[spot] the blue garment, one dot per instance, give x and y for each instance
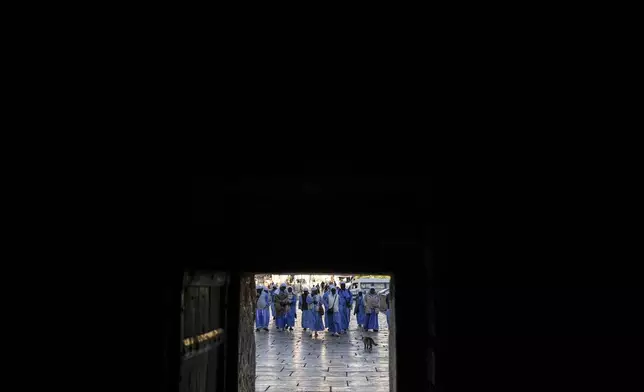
(291, 315)
(387, 318)
(334, 322)
(316, 323)
(261, 318)
(372, 321)
(325, 301)
(261, 315)
(306, 319)
(280, 317)
(280, 321)
(360, 314)
(345, 308)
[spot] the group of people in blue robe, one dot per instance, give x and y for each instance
(331, 310)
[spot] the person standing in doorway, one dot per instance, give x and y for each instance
(281, 307)
(372, 308)
(345, 307)
(304, 307)
(359, 310)
(333, 310)
(315, 305)
(261, 312)
(292, 314)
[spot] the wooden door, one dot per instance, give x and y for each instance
(202, 320)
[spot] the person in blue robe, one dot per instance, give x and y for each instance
(261, 312)
(315, 304)
(372, 308)
(345, 307)
(281, 302)
(333, 309)
(359, 310)
(325, 301)
(270, 301)
(292, 314)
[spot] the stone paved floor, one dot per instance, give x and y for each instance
(294, 361)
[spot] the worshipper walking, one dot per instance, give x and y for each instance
(292, 302)
(273, 294)
(334, 311)
(372, 308)
(270, 300)
(281, 307)
(268, 292)
(325, 301)
(345, 307)
(261, 313)
(304, 307)
(359, 310)
(315, 305)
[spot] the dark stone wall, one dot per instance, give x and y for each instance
(392, 336)
(246, 382)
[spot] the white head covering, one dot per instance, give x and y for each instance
(305, 288)
(259, 286)
(283, 285)
(334, 298)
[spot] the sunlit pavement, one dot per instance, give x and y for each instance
(294, 361)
